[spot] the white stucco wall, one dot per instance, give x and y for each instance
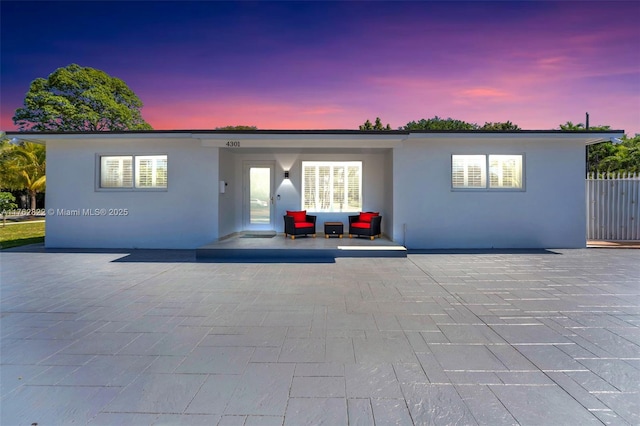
(183, 216)
(407, 178)
(549, 213)
(387, 222)
(229, 210)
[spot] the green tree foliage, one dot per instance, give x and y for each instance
(506, 126)
(5, 174)
(23, 167)
(620, 158)
(237, 128)
(377, 126)
(437, 123)
(76, 98)
(570, 127)
(607, 157)
(7, 202)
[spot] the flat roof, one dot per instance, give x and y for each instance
(313, 132)
(318, 138)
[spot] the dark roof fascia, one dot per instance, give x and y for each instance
(316, 132)
(308, 132)
(515, 132)
(200, 132)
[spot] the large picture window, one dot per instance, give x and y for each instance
(470, 171)
(334, 186)
(118, 171)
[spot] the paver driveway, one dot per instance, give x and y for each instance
(157, 338)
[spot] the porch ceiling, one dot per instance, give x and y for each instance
(305, 149)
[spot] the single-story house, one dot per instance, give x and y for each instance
(435, 190)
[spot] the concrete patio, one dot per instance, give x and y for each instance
(281, 248)
(158, 337)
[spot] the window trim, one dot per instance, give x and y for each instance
(133, 187)
(487, 187)
(333, 163)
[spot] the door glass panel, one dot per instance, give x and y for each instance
(259, 195)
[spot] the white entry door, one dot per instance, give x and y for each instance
(258, 196)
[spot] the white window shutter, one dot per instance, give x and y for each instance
(332, 186)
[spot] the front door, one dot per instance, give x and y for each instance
(258, 196)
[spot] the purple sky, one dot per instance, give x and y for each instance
(319, 65)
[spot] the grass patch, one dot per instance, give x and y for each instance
(21, 234)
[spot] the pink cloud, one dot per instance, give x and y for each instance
(485, 93)
(553, 63)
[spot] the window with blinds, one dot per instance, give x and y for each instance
(118, 171)
(505, 171)
(151, 171)
(470, 171)
(332, 186)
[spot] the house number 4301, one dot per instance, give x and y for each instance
(233, 144)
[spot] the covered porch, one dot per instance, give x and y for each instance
(263, 175)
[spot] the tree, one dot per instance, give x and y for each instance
(6, 175)
(7, 202)
(237, 128)
(437, 123)
(596, 152)
(506, 126)
(78, 98)
(377, 126)
(23, 167)
(607, 157)
(570, 127)
(621, 158)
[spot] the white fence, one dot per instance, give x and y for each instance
(613, 206)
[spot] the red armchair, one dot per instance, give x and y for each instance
(299, 223)
(366, 224)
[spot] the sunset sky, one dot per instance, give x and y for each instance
(328, 65)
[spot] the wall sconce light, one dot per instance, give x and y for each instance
(286, 174)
